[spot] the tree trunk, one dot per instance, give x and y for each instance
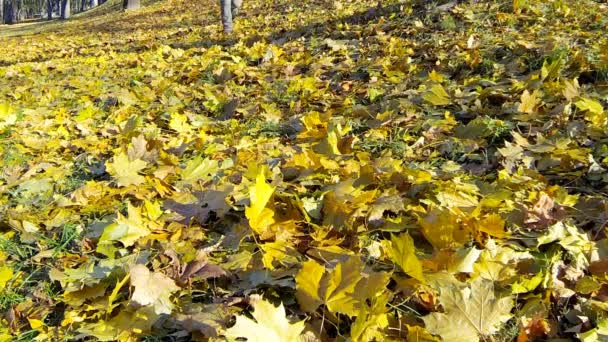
(65, 9)
(18, 11)
(83, 5)
(9, 11)
(1, 11)
(49, 9)
(130, 4)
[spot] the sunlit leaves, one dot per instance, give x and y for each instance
(259, 215)
(152, 288)
(403, 253)
(529, 102)
(8, 115)
(126, 230)
(270, 324)
(437, 96)
(589, 105)
(199, 168)
(6, 273)
(308, 280)
(470, 312)
(338, 293)
(125, 171)
(412, 167)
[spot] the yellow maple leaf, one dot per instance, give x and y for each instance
(6, 273)
(152, 288)
(437, 96)
(343, 279)
(259, 216)
(199, 169)
(528, 102)
(307, 285)
(270, 324)
(492, 225)
(126, 230)
(125, 171)
(469, 313)
(403, 253)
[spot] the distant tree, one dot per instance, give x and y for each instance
(131, 4)
(1, 11)
(49, 9)
(65, 9)
(10, 9)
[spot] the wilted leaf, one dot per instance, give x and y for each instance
(341, 284)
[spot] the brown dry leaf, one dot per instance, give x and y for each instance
(543, 213)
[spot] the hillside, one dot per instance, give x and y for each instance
(348, 170)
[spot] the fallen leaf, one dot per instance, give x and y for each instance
(470, 313)
(152, 288)
(125, 171)
(269, 324)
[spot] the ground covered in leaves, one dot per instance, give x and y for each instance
(334, 171)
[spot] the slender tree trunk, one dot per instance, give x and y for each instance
(9, 11)
(18, 10)
(65, 9)
(49, 9)
(131, 4)
(83, 5)
(1, 11)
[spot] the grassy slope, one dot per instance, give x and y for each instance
(84, 91)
